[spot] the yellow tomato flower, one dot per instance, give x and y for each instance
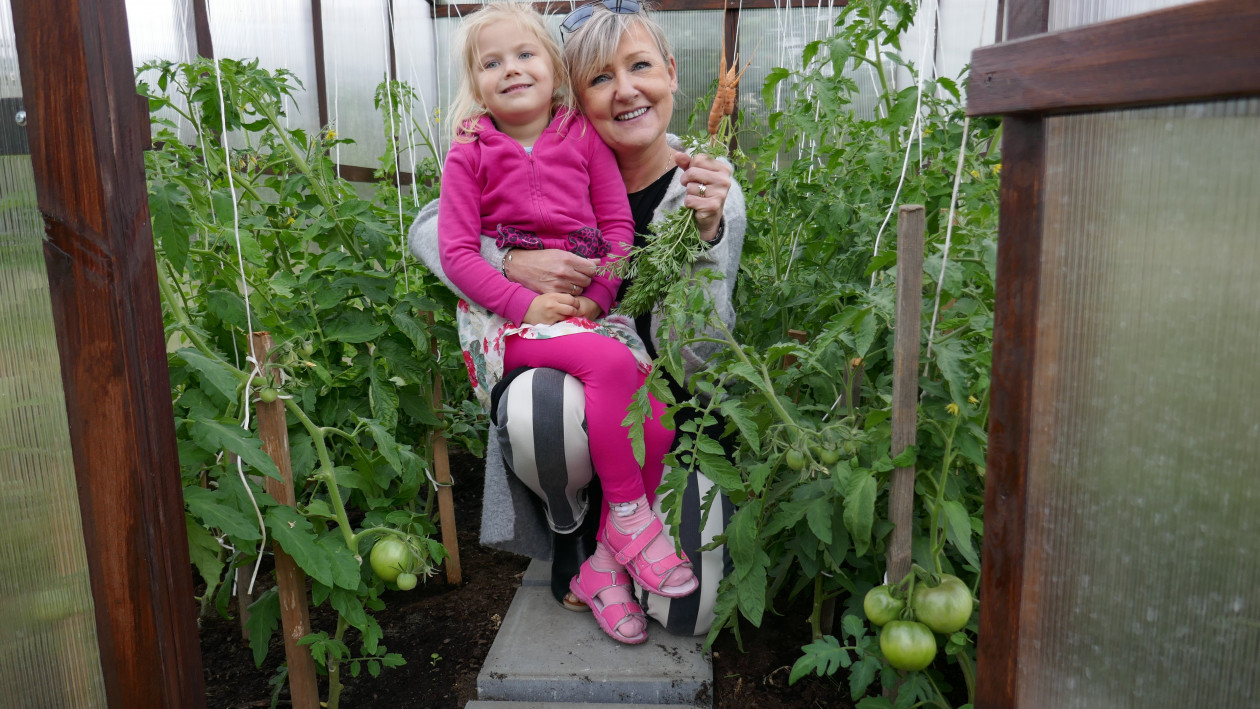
(997, 168)
(975, 174)
(973, 400)
(951, 408)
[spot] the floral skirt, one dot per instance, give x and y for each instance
(483, 335)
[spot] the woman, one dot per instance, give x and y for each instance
(624, 76)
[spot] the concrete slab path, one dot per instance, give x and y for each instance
(544, 653)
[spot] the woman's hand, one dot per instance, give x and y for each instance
(550, 271)
(707, 181)
(551, 308)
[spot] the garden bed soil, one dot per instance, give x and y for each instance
(444, 632)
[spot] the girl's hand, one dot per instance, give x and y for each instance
(550, 271)
(715, 177)
(551, 308)
(588, 308)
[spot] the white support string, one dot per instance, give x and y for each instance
(393, 132)
(915, 129)
(249, 324)
(949, 233)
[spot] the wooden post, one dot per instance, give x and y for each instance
(905, 405)
(295, 614)
(442, 474)
(87, 134)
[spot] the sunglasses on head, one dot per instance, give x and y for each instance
(578, 17)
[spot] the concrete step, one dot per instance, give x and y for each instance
(548, 655)
(479, 704)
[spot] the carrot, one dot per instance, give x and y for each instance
(727, 91)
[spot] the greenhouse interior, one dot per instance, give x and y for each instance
(927, 322)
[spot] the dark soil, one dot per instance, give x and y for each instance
(444, 633)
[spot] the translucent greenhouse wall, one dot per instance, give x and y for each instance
(1143, 489)
(356, 47)
(48, 651)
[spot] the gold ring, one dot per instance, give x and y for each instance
(703, 189)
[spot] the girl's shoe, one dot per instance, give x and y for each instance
(590, 582)
(631, 550)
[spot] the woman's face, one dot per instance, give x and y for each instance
(630, 101)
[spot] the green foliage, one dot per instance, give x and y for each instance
(262, 234)
(807, 373)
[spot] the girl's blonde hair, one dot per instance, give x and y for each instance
(593, 46)
(467, 108)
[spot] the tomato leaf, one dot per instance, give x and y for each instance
(958, 530)
(221, 378)
(859, 510)
(215, 510)
(296, 536)
(215, 436)
(203, 550)
(353, 326)
(264, 618)
(822, 657)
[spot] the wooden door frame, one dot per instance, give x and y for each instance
(1202, 51)
(87, 128)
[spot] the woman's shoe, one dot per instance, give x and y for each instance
(590, 582)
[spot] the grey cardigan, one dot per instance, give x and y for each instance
(509, 519)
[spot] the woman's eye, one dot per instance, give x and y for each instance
(600, 78)
(638, 66)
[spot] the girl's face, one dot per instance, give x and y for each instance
(514, 77)
(630, 101)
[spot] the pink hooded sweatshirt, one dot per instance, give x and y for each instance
(567, 194)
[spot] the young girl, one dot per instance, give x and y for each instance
(528, 171)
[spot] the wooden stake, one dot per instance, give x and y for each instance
(295, 613)
(442, 474)
(905, 405)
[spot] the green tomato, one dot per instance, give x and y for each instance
(307, 348)
(795, 459)
(406, 581)
(881, 607)
(829, 456)
(390, 558)
(907, 645)
(268, 395)
(945, 608)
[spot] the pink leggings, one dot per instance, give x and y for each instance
(610, 374)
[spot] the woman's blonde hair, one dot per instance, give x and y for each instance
(467, 108)
(593, 46)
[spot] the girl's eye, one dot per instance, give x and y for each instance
(491, 64)
(526, 55)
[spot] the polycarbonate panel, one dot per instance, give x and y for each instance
(278, 33)
(161, 29)
(1142, 584)
(415, 51)
(1075, 13)
(48, 651)
(356, 55)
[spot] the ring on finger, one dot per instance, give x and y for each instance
(703, 189)
(573, 288)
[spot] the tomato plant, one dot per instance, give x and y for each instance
(808, 418)
(261, 234)
(907, 645)
(881, 607)
(390, 558)
(945, 608)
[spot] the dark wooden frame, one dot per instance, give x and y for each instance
(87, 133)
(1195, 52)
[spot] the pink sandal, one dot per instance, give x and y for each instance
(590, 582)
(650, 573)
